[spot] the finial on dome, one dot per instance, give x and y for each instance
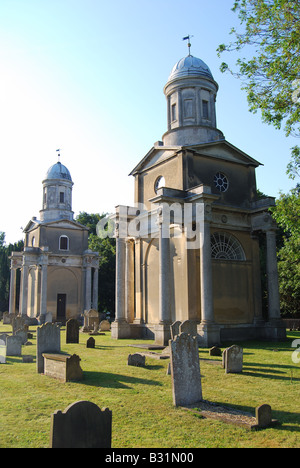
(187, 38)
(58, 151)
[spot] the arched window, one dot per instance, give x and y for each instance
(63, 243)
(224, 246)
(160, 182)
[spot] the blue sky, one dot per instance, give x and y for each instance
(87, 76)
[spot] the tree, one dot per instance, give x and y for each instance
(107, 253)
(271, 77)
(5, 252)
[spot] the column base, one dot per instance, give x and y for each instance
(208, 335)
(120, 330)
(162, 334)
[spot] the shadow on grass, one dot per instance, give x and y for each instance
(108, 380)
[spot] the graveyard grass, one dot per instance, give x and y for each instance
(143, 415)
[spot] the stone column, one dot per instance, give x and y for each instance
(208, 330)
(120, 328)
(206, 282)
(95, 288)
(129, 281)
(24, 292)
(162, 329)
(88, 287)
(272, 277)
(12, 291)
(44, 285)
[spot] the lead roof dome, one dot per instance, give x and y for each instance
(58, 171)
(190, 66)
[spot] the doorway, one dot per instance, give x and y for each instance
(61, 307)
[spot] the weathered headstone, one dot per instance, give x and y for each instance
(136, 359)
(13, 345)
(2, 350)
(188, 326)
(185, 370)
(174, 328)
(72, 331)
(233, 360)
(81, 425)
(63, 367)
(48, 341)
(91, 319)
(90, 342)
(104, 325)
(7, 317)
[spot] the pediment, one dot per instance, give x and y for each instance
(156, 155)
(226, 151)
(66, 224)
(220, 150)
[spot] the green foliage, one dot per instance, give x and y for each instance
(287, 214)
(271, 32)
(107, 254)
(5, 252)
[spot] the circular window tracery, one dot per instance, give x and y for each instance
(224, 246)
(221, 181)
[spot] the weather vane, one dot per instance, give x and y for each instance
(58, 151)
(187, 38)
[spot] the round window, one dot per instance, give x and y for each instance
(159, 183)
(221, 182)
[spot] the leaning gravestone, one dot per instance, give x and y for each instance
(13, 345)
(48, 341)
(233, 360)
(72, 331)
(185, 370)
(81, 425)
(2, 351)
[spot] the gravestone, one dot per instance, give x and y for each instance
(105, 325)
(215, 351)
(90, 342)
(48, 317)
(2, 350)
(233, 360)
(188, 326)
(174, 328)
(63, 367)
(81, 425)
(136, 359)
(185, 370)
(91, 319)
(7, 318)
(48, 341)
(263, 415)
(13, 345)
(18, 323)
(72, 331)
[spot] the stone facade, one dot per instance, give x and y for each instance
(189, 249)
(57, 268)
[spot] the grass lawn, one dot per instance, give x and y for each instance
(141, 398)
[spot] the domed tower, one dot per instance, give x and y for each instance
(191, 93)
(57, 194)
